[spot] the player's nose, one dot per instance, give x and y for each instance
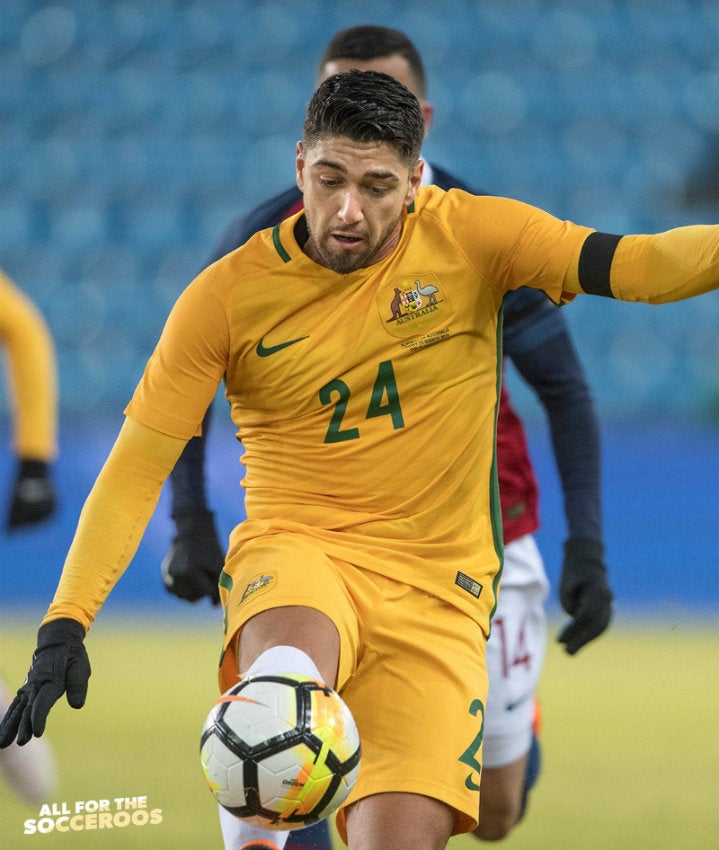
(350, 210)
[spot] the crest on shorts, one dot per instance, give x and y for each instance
(257, 585)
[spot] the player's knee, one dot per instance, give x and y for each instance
(496, 822)
(494, 830)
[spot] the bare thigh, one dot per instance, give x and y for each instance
(292, 625)
(399, 821)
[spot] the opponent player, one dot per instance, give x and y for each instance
(536, 338)
(32, 389)
(368, 428)
(33, 394)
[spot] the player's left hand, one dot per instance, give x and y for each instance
(584, 592)
(33, 495)
(192, 566)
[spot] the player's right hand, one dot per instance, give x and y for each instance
(584, 592)
(191, 568)
(33, 496)
(59, 665)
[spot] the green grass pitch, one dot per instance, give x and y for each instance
(630, 739)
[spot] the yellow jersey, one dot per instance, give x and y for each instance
(366, 402)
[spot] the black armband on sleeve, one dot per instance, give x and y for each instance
(595, 261)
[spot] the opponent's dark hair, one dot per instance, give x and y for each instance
(370, 42)
(366, 106)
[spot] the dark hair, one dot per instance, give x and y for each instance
(366, 106)
(372, 42)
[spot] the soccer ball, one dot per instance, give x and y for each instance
(280, 751)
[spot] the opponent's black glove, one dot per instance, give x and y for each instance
(192, 566)
(33, 496)
(60, 664)
(584, 592)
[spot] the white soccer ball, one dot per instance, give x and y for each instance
(281, 751)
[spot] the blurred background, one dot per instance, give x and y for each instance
(131, 133)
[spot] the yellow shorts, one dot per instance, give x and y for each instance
(411, 669)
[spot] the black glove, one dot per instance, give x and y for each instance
(60, 664)
(584, 592)
(33, 496)
(191, 568)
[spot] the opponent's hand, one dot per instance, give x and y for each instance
(60, 664)
(33, 496)
(584, 592)
(192, 566)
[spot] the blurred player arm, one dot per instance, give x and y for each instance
(192, 565)
(537, 340)
(32, 390)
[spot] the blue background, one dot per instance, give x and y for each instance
(131, 133)
(661, 504)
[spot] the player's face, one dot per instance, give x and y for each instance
(355, 194)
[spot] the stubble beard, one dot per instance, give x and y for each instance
(343, 262)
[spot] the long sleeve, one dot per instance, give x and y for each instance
(657, 269)
(537, 340)
(574, 430)
(113, 520)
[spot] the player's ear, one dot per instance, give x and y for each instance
(428, 115)
(300, 166)
(415, 181)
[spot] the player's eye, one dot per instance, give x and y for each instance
(329, 182)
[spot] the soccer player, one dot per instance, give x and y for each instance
(367, 415)
(32, 385)
(537, 340)
(32, 389)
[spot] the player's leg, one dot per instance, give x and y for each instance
(239, 835)
(400, 821)
(300, 631)
(267, 638)
(316, 837)
(29, 770)
(281, 627)
(390, 680)
(534, 763)
(418, 697)
(501, 799)
(308, 609)
(515, 653)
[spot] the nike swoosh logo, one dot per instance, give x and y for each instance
(265, 351)
(510, 706)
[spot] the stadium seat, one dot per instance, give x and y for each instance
(136, 131)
